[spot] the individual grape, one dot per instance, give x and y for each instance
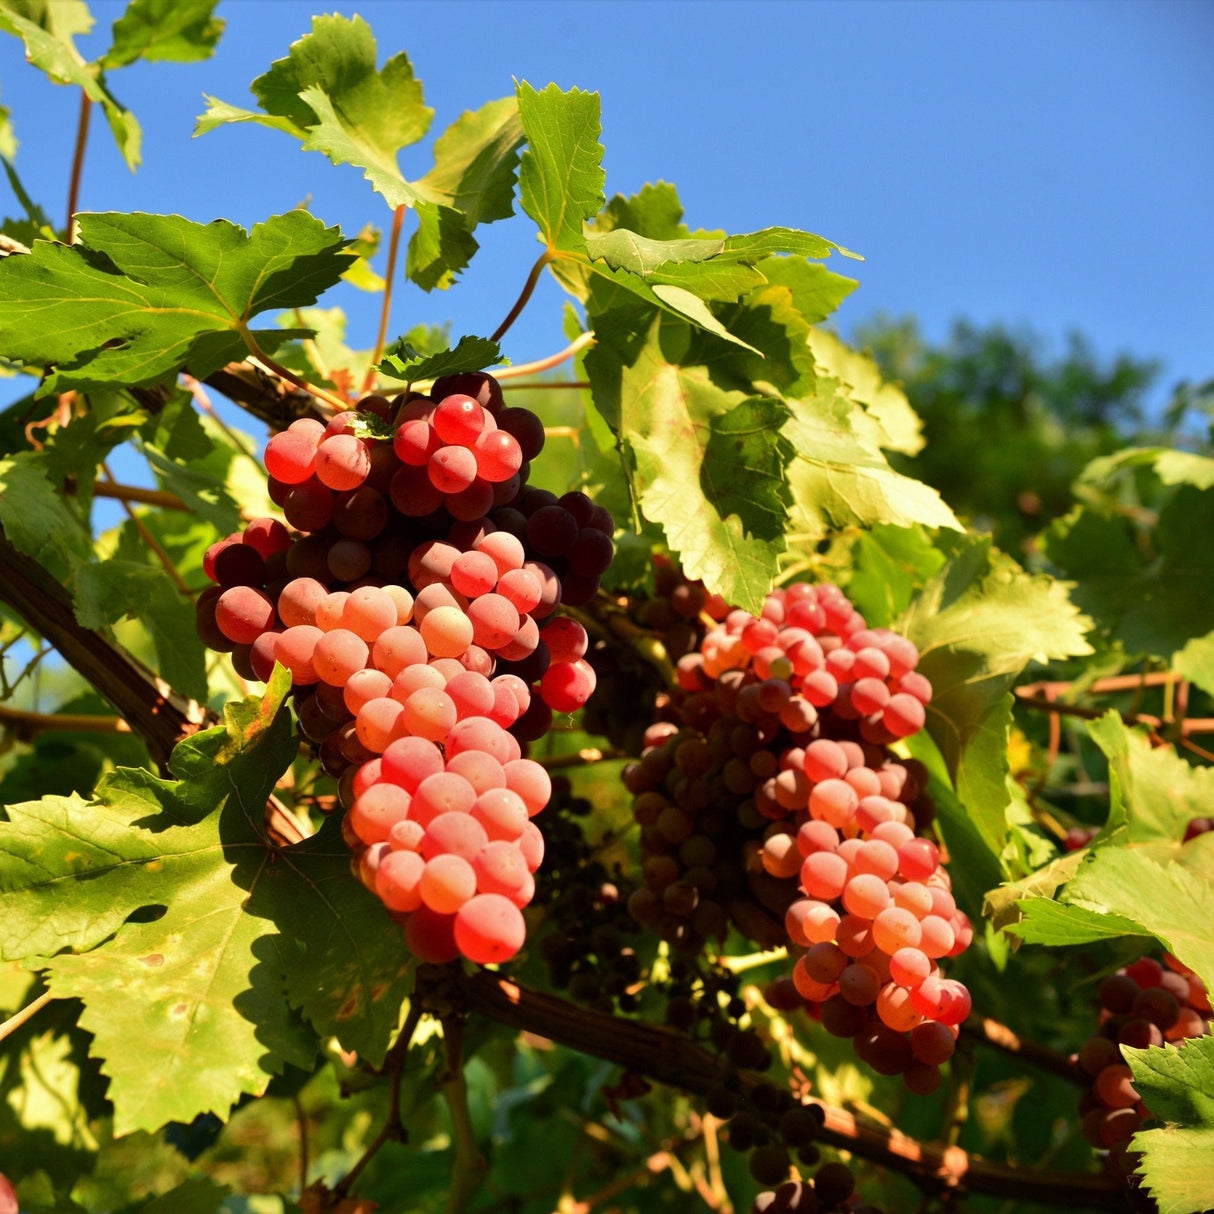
(430, 936)
(309, 506)
(859, 984)
(495, 620)
(338, 655)
(429, 713)
(489, 929)
(380, 722)
(294, 649)
(398, 880)
(398, 648)
(482, 771)
(360, 514)
(566, 686)
(502, 813)
(909, 966)
(408, 761)
(349, 560)
(447, 631)
(505, 549)
(451, 469)
(866, 895)
(342, 462)
(364, 685)
(374, 813)
(415, 441)
(447, 883)
(239, 565)
(474, 573)
(471, 693)
(1115, 1087)
(243, 613)
(457, 834)
(498, 455)
(459, 419)
(412, 492)
(895, 929)
(298, 600)
(291, 457)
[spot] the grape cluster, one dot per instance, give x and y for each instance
(586, 927)
(1143, 1004)
(831, 1190)
(770, 777)
(414, 607)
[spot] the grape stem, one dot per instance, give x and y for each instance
(153, 544)
(82, 138)
(393, 245)
(670, 1057)
(1190, 725)
(524, 295)
(393, 1129)
(321, 394)
(467, 1163)
(575, 347)
(15, 1021)
(30, 724)
(131, 493)
(990, 1032)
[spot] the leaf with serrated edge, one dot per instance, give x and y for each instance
(190, 1010)
(171, 292)
(180, 31)
(470, 354)
(816, 291)
(1176, 1083)
(475, 161)
(861, 381)
(1153, 792)
(1125, 891)
(53, 51)
(978, 623)
(561, 175)
(708, 468)
(840, 477)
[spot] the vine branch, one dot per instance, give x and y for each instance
(671, 1058)
(15, 1021)
(524, 295)
(393, 247)
(82, 137)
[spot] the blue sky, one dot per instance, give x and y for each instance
(1045, 164)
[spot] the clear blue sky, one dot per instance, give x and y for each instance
(1040, 163)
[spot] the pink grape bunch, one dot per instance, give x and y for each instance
(413, 599)
(1143, 1004)
(768, 797)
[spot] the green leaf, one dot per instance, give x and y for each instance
(191, 1009)
(141, 296)
(1160, 605)
(1153, 793)
(200, 1195)
(861, 381)
(1176, 1083)
(203, 491)
(816, 291)
(888, 565)
(840, 477)
(180, 31)
(36, 519)
(709, 468)
(977, 625)
(1126, 891)
(1171, 466)
(472, 182)
(561, 176)
(328, 93)
(110, 590)
(402, 361)
(47, 29)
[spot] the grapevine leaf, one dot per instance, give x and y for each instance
(140, 296)
(861, 381)
(204, 492)
(1127, 891)
(47, 30)
(472, 182)
(402, 361)
(193, 1008)
(1176, 1082)
(978, 624)
(840, 477)
(816, 291)
(625, 250)
(181, 31)
(1153, 792)
(1171, 466)
(107, 591)
(328, 94)
(561, 175)
(36, 519)
(709, 468)
(889, 564)
(1162, 607)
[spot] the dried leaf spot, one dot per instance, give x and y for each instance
(348, 1009)
(179, 1009)
(153, 959)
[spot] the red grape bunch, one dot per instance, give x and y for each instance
(1143, 1004)
(769, 797)
(414, 606)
